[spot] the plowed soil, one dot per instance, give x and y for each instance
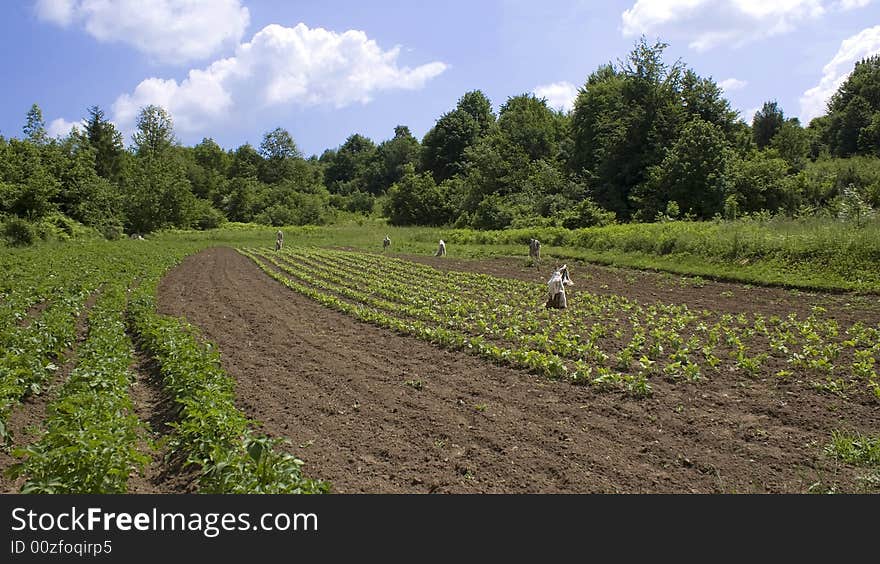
(375, 412)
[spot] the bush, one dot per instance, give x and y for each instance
(492, 214)
(416, 200)
(63, 223)
(18, 232)
(207, 216)
(360, 202)
(587, 214)
(111, 229)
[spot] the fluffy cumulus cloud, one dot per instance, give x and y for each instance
(61, 127)
(559, 95)
(731, 84)
(170, 31)
(864, 44)
(710, 23)
(280, 66)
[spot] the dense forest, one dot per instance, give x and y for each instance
(646, 141)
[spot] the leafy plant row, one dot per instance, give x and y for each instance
(602, 338)
(211, 432)
(32, 354)
(90, 444)
(666, 338)
(91, 435)
(548, 365)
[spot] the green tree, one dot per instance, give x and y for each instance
(766, 123)
(623, 120)
(626, 117)
(206, 170)
(492, 166)
(853, 111)
(393, 155)
(353, 166)
(279, 151)
(694, 174)
(35, 128)
(156, 188)
(243, 199)
(84, 195)
(155, 132)
(760, 183)
(28, 189)
(527, 122)
(586, 214)
(416, 200)
(444, 145)
(158, 195)
(792, 143)
(106, 142)
(245, 163)
(493, 212)
(703, 98)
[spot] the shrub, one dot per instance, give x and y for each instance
(207, 216)
(18, 232)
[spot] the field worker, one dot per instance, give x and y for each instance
(441, 250)
(535, 249)
(556, 288)
(386, 243)
(279, 240)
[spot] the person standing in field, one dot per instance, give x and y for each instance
(386, 243)
(279, 240)
(535, 249)
(556, 288)
(441, 250)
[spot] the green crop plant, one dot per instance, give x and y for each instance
(854, 448)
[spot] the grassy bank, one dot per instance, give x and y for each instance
(821, 254)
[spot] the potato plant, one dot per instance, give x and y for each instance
(596, 332)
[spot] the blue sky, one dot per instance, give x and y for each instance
(234, 69)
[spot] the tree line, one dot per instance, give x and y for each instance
(645, 141)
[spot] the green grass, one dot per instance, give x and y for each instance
(810, 254)
(814, 254)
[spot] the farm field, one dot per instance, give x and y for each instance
(212, 363)
(428, 408)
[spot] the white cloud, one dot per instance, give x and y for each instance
(853, 4)
(56, 11)
(60, 127)
(559, 95)
(171, 31)
(864, 44)
(280, 66)
(730, 84)
(709, 23)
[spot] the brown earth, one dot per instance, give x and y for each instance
(163, 474)
(376, 412)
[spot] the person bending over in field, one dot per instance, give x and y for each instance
(386, 243)
(556, 288)
(535, 250)
(441, 250)
(279, 240)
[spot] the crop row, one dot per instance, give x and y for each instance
(90, 444)
(210, 431)
(31, 346)
(541, 363)
(599, 339)
(92, 440)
